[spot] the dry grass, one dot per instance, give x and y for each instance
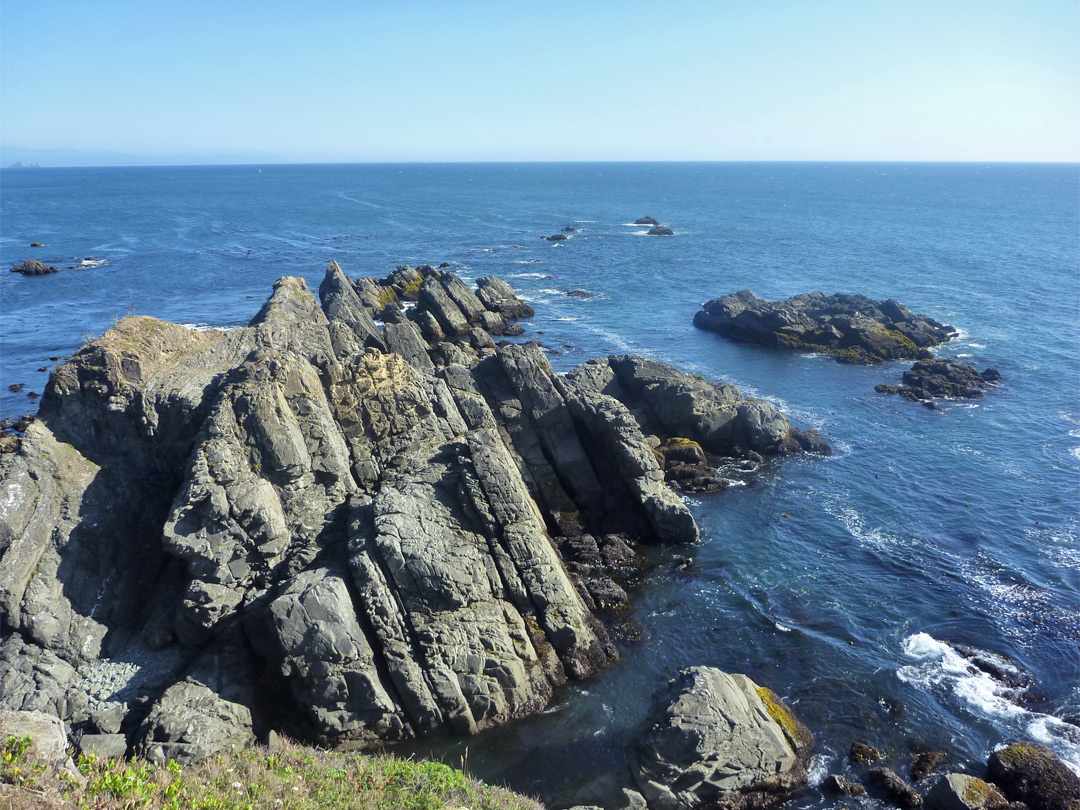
(291, 777)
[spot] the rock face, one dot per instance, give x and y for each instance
(719, 740)
(945, 379)
(960, 791)
(1031, 773)
(339, 522)
(33, 267)
(851, 327)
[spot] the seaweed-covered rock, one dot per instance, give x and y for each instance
(719, 740)
(893, 786)
(853, 328)
(1033, 774)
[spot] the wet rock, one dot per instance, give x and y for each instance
(16, 388)
(922, 765)
(33, 267)
(959, 791)
(892, 785)
(852, 328)
(842, 786)
(944, 379)
(556, 237)
(36, 244)
(864, 754)
(580, 294)
(646, 221)
(720, 740)
(660, 230)
(1031, 773)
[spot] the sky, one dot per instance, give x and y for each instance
(419, 80)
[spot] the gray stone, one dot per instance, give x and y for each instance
(1033, 774)
(191, 722)
(109, 746)
(894, 787)
(341, 303)
(960, 791)
(713, 740)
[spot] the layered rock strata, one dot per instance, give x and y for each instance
(341, 521)
(852, 328)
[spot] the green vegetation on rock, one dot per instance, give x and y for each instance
(288, 776)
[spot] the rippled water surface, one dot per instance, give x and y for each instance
(840, 582)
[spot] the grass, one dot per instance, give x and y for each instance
(290, 777)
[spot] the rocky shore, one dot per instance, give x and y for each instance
(342, 522)
(852, 328)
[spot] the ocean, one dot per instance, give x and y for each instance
(844, 583)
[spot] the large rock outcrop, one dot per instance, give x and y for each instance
(853, 328)
(341, 522)
(719, 740)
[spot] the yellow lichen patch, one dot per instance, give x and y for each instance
(1019, 753)
(387, 296)
(781, 714)
(978, 793)
(411, 290)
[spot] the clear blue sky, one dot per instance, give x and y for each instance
(421, 80)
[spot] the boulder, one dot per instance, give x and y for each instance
(864, 754)
(1033, 774)
(660, 230)
(852, 328)
(48, 738)
(719, 740)
(646, 221)
(893, 786)
(108, 746)
(36, 244)
(960, 791)
(190, 722)
(842, 786)
(499, 297)
(556, 237)
(33, 267)
(922, 765)
(949, 379)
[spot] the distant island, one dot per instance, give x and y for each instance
(22, 164)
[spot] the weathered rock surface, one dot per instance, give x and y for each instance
(841, 785)
(48, 737)
(1031, 773)
(34, 267)
(893, 786)
(960, 791)
(945, 379)
(719, 740)
(335, 522)
(853, 328)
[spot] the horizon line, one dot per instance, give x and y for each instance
(33, 165)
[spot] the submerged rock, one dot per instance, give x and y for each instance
(960, 791)
(852, 328)
(719, 740)
(892, 785)
(343, 531)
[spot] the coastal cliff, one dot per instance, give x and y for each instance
(341, 521)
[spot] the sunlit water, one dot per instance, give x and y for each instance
(835, 581)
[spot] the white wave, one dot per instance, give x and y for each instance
(489, 250)
(977, 346)
(858, 528)
(783, 628)
(528, 261)
(88, 262)
(527, 275)
(205, 327)
(549, 291)
(819, 769)
(584, 220)
(961, 333)
(568, 318)
(1075, 453)
(941, 670)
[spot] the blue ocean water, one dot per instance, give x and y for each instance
(835, 581)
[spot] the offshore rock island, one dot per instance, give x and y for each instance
(342, 522)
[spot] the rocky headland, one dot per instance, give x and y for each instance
(852, 328)
(356, 520)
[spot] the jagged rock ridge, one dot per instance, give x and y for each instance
(340, 521)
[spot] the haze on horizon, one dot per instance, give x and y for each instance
(420, 80)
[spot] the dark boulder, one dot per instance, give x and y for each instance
(36, 244)
(1033, 774)
(842, 786)
(580, 294)
(960, 791)
(922, 765)
(556, 237)
(892, 785)
(33, 267)
(852, 328)
(569, 229)
(864, 754)
(646, 221)
(660, 230)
